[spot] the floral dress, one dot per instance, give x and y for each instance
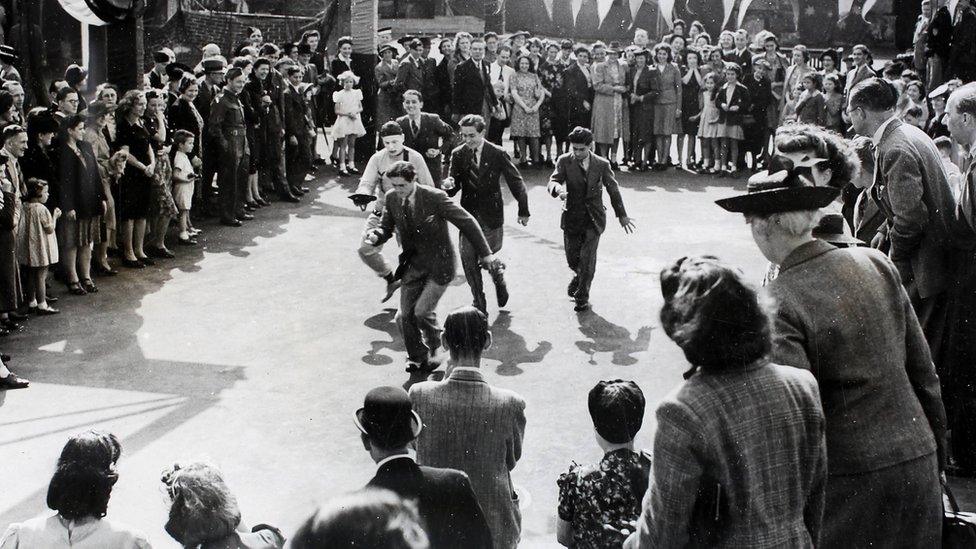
(609, 492)
(162, 204)
(525, 124)
(551, 76)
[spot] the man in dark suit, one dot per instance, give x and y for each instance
(444, 497)
(578, 180)
(756, 124)
(962, 49)
(299, 131)
(938, 45)
(424, 132)
(476, 168)
(410, 72)
(578, 89)
(420, 215)
(209, 87)
(911, 189)
(742, 56)
(472, 91)
(431, 89)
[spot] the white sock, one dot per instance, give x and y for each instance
(4, 372)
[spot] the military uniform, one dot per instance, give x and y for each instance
(228, 127)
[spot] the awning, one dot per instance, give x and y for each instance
(99, 12)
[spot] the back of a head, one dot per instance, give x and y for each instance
(617, 410)
(202, 508)
(85, 474)
(713, 315)
(370, 518)
(466, 331)
(875, 95)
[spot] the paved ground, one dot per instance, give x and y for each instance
(254, 350)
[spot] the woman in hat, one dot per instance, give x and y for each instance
(667, 104)
(609, 87)
(739, 451)
(40, 159)
(8, 56)
(936, 125)
(844, 315)
(386, 72)
(135, 185)
(610, 491)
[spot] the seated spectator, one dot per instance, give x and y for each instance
(741, 437)
(79, 491)
(445, 500)
(473, 426)
(204, 513)
(608, 492)
(374, 518)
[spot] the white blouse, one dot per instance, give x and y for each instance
(56, 532)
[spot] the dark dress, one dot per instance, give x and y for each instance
(41, 163)
(135, 187)
(81, 191)
(609, 492)
(690, 105)
(551, 75)
(183, 115)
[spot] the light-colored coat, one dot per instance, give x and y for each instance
(472, 426)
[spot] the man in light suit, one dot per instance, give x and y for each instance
(444, 497)
(473, 426)
(843, 314)
(476, 168)
(578, 180)
(419, 215)
(912, 190)
(862, 70)
(425, 132)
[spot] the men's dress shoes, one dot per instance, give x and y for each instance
(15, 316)
(391, 288)
(582, 306)
(245, 217)
(13, 382)
(501, 289)
(573, 286)
(289, 198)
(229, 223)
(5, 357)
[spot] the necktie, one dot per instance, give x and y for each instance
(473, 168)
(414, 128)
(408, 213)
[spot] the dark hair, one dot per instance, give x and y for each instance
(678, 22)
(10, 131)
(734, 67)
(816, 78)
(663, 47)
(489, 34)
(180, 137)
(374, 518)
(292, 70)
(233, 72)
(34, 188)
(713, 315)
(914, 111)
(202, 507)
(64, 92)
(260, 61)
(466, 331)
(581, 49)
(6, 101)
(834, 149)
(831, 54)
(519, 62)
(269, 49)
(402, 169)
(185, 83)
(390, 128)
(617, 410)
(85, 474)
(943, 143)
(696, 53)
(343, 40)
(415, 93)
(252, 30)
(580, 136)
(874, 94)
(72, 121)
(473, 120)
(504, 47)
(838, 87)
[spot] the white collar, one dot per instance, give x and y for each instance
(881, 129)
(411, 455)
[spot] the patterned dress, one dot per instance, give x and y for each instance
(551, 76)
(609, 492)
(527, 86)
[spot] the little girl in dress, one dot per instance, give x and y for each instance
(348, 125)
(708, 127)
(38, 246)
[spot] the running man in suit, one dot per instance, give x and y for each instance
(476, 168)
(444, 497)
(419, 215)
(578, 180)
(424, 132)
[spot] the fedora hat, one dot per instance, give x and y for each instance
(387, 417)
(214, 64)
(8, 54)
(777, 190)
(833, 229)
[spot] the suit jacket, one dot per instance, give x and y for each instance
(585, 200)
(181, 116)
(911, 188)
(576, 90)
(339, 66)
(843, 315)
(757, 432)
(447, 505)
(483, 198)
(760, 97)
(962, 50)
(472, 87)
(410, 75)
(740, 98)
(205, 99)
(744, 60)
(424, 238)
(296, 120)
(472, 426)
(856, 76)
(939, 34)
(432, 131)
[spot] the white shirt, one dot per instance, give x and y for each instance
(55, 532)
(411, 455)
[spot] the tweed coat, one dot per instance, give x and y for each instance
(912, 190)
(758, 432)
(477, 428)
(843, 315)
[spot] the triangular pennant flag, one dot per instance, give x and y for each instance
(743, 6)
(548, 6)
(635, 7)
(576, 5)
(602, 9)
(666, 8)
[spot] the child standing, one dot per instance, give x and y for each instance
(732, 102)
(811, 107)
(183, 184)
(348, 125)
(708, 126)
(834, 95)
(38, 247)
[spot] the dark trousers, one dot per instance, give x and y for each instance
(581, 246)
(417, 317)
(496, 128)
(210, 153)
(232, 178)
(297, 163)
(753, 142)
(472, 269)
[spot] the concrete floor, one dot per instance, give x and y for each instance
(254, 350)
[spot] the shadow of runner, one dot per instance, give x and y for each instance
(604, 336)
(511, 348)
(383, 322)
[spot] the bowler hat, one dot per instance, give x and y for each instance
(778, 190)
(387, 47)
(387, 417)
(42, 120)
(175, 71)
(833, 229)
(8, 54)
(216, 64)
(304, 49)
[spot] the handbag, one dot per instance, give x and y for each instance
(958, 527)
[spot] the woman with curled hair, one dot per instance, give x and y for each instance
(739, 452)
(204, 514)
(79, 491)
(374, 518)
(135, 185)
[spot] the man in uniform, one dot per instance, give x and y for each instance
(373, 185)
(228, 128)
(210, 83)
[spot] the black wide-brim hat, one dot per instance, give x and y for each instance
(833, 229)
(387, 417)
(778, 190)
